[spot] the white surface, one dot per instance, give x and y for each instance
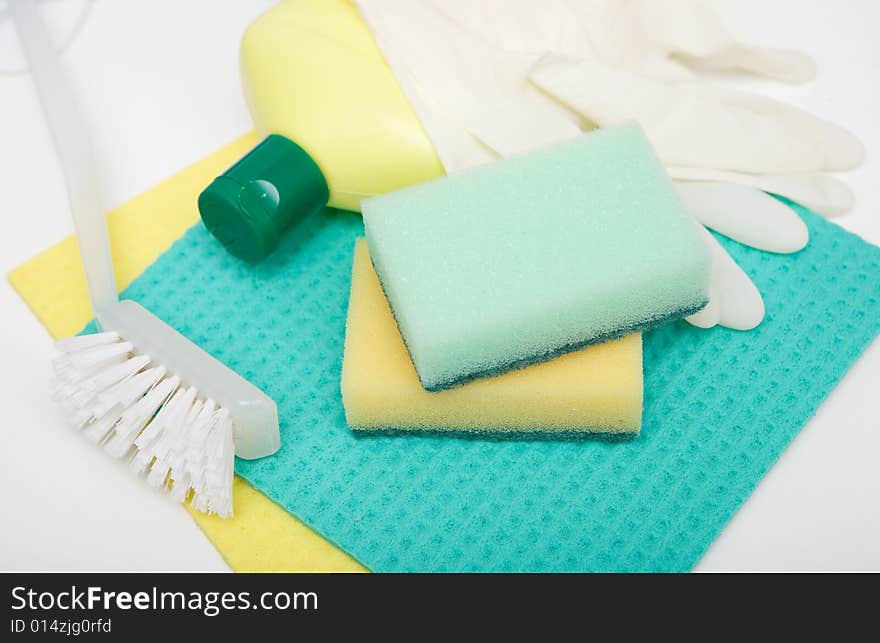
(159, 84)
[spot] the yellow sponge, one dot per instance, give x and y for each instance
(596, 390)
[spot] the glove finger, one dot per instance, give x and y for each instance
(745, 214)
(822, 193)
(692, 31)
(736, 301)
(785, 65)
(838, 148)
(711, 314)
(693, 126)
(742, 307)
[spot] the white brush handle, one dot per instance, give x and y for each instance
(74, 152)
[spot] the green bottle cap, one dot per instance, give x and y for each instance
(250, 205)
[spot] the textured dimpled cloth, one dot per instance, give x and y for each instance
(720, 407)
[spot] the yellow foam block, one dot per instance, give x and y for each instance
(261, 536)
(596, 390)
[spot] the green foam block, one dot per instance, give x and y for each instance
(520, 260)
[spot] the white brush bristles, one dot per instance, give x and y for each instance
(138, 411)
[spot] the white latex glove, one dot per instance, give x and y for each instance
(490, 78)
(665, 39)
(474, 100)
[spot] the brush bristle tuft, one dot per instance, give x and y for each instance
(138, 411)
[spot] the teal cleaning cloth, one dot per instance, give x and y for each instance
(720, 407)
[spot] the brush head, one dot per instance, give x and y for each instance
(133, 391)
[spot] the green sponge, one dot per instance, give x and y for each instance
(520, 260)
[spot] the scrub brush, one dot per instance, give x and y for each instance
(139, 388)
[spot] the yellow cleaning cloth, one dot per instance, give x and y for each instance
(261, 536)
(596, 390)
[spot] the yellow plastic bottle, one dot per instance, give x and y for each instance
(319, 89)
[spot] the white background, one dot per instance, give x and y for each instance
(159, 84)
